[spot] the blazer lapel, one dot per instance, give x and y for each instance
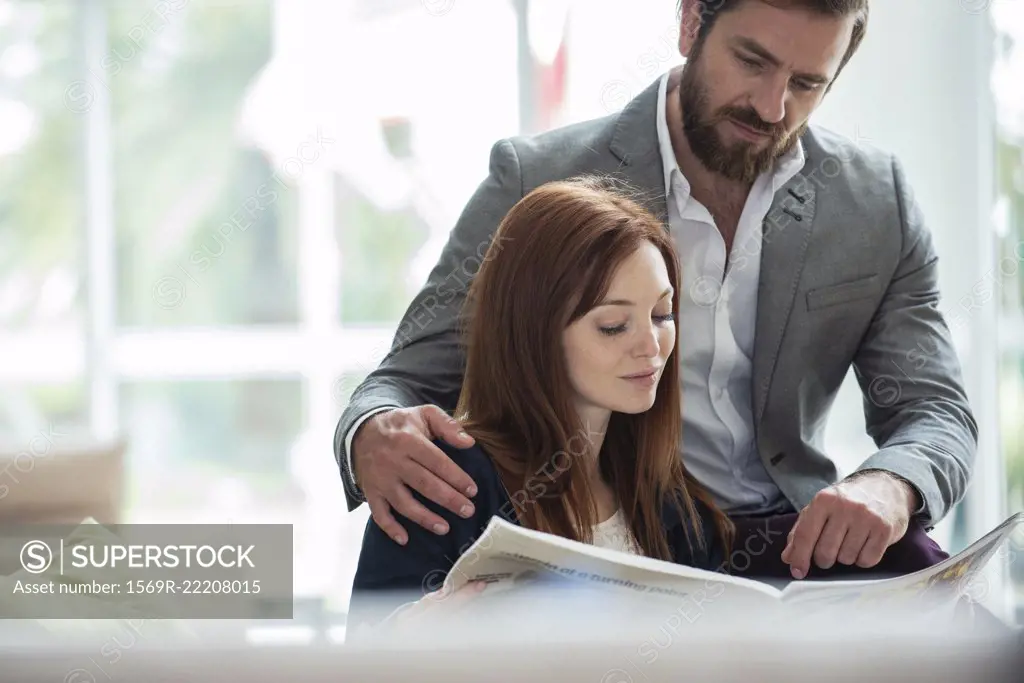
(787, 232)
(634, 144)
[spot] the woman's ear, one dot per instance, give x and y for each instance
(689, 24)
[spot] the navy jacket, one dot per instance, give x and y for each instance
(390, 574)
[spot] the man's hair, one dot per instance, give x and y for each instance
(710, 10)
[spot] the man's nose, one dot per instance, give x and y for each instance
(769, 100)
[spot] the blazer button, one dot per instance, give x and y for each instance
(777, 458)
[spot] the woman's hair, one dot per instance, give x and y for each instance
(551, 261)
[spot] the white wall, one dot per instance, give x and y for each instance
(615, 51)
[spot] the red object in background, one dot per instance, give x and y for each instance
(550, 89)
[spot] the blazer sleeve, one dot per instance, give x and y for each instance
(915, 405)
(389, 575)
(685, 547)
(425, 363)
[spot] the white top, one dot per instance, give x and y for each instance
(717, 313)
(614, 534)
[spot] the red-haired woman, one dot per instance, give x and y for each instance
(571, 393)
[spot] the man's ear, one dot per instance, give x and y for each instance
(689, 25)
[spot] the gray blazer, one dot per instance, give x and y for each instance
(848, 276)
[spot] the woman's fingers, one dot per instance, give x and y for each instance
(442, 602)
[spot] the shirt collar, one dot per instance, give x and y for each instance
(785, 168)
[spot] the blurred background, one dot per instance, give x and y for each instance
(213, 213)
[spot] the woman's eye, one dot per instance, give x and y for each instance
(618, 329)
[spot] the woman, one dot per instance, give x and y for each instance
(571, 393)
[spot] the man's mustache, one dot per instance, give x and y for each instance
(749, 118)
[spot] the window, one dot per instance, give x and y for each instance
(1008, 288)
(205, 232)
(213, 450)
(207, 238)
(40, 241)
(213, 214)
(39, 207)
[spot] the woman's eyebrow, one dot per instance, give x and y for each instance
(627, 302)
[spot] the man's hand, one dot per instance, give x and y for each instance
(853, 522)
(391, 452)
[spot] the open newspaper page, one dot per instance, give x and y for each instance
(507, 556)
(936, 588)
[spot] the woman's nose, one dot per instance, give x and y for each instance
(647, 345)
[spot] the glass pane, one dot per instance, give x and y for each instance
(40, 193)
(377, 247)
(1008, 20)
(57, 412)
(422, 147)
(1011, 404)
(212, 451)
(205, 221)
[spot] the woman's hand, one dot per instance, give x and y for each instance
(441, 603)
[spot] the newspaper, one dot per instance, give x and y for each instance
(507, 556)
(87, 612)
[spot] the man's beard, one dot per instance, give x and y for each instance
(741, 161)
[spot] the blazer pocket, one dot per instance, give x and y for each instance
(842, 293)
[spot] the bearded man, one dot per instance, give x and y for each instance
(803, 254)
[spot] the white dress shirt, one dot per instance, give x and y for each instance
(716, 333)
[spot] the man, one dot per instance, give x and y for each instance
(802, 255)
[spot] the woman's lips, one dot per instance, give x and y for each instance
(644, 379)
